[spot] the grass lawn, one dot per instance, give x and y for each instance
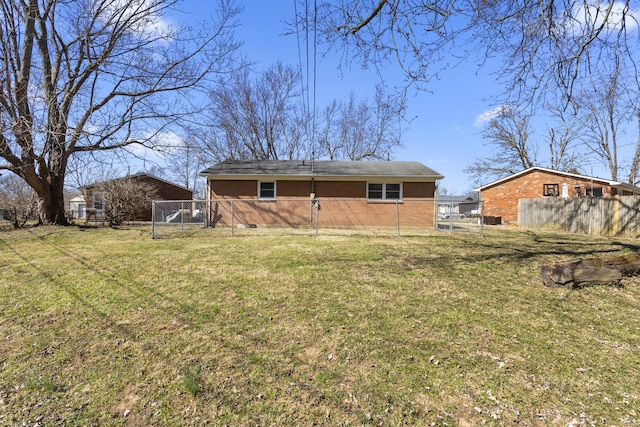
(109, 327)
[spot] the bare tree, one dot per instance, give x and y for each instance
(511, 149)
(545, 45)
(17, 200)
(360, 129)
(635, 163)
(608, 106)
(124, 199)
(548, 49)
(186, 161)
(565, 153)
(256, 119)
(95, 75)
(262, 119)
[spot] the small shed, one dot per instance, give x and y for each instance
(78, 207)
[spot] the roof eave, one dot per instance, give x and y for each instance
(516, 175)
(413, 178)
(625, 187)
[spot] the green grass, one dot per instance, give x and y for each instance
(109, 327)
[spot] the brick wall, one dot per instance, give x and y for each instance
(416, 208)
(164, 191)
(167, 191)
(502, 199)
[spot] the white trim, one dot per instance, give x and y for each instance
(614, 184)
(275, 193)
(384, 190)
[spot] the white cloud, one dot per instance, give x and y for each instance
(589, 16)
(145, 22)
(167, 142)
(489, 115)
(157, 146)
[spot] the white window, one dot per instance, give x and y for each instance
(384, 191)
(267, 190)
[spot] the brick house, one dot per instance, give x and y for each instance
(165, 190)
(501, 197)
(283, 192)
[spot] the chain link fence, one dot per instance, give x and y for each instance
(294, 216)
(465, 216)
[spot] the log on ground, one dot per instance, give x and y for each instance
(580, 273)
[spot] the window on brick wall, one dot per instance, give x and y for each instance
(552, 190)
(594, 191)
(267, 190)
(384, 191)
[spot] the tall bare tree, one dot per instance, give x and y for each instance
(542, 45)
(544, 50)
(186, 160)
(635, 163)
(608, 106)
(508, 138)
(257, 118)
(95, 75)
(261, 118)
(353, 129)
(565, 152)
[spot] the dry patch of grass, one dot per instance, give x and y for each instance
(108, 327)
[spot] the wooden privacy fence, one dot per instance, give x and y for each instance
(611, 216)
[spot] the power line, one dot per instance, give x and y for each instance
(308, 72)
(315, 68)
(304, 101)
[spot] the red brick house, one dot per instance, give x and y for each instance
(282, 192)
(501, 197)
(165, 190)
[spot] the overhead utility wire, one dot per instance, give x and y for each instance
(304, 98)
(315, 69)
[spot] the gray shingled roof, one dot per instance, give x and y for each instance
(320, 168)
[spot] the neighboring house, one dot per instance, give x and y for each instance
(462, 205)
(362, 193)
(501, 197)
(165, 190)
(77, 207)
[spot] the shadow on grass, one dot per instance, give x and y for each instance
(511, 248)
(137, 288)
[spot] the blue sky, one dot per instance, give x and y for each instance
(444, 134)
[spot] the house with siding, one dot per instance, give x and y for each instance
(284, 192)
(501, 197)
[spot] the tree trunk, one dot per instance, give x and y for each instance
(51, 209)
(580, 273)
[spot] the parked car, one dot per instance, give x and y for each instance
(450, 215)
